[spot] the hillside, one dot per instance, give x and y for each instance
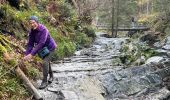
(64, 25)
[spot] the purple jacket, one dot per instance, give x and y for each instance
(38, 39)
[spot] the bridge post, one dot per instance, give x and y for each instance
(113, 18)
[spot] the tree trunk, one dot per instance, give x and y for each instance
(113, 8)
(117, 17)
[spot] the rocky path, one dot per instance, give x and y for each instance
(91, 74)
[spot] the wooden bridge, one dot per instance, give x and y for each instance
(123, 28)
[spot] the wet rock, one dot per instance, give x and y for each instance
(152, 94)
(163, 72)
(162, 52)
(155, 59)
(167, 40)
(133, 81)
(154, 79)
(47, 95)
(166, 47)
(89, 89)
(166, 63)
(166, 82)
(86, 52)
(167, 44)
(69, 95)
(157, 45)
(139, 70)
(161, 94)
(136, 71)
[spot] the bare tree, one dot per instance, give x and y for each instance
(86, 7)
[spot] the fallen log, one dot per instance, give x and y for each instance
(29, 85)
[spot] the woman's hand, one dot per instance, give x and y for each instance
(28, 57)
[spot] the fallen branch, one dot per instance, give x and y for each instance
(29, 85)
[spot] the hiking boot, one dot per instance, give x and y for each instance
(43, 85)
(50, 80)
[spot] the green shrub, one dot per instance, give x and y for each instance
(64, 48)
(10, 86)
(61, 11)
(133, 51)
(89, 31)
(14, 21)
(82, 40)
(33, 72)
(65, 12)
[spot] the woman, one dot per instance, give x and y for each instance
(39, 38)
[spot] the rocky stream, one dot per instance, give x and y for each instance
(91, 74)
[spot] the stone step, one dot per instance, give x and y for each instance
(79, 74)
(89, 59)
(86, 66)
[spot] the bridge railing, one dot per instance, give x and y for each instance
(109, 26)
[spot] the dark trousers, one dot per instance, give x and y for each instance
(47, 67)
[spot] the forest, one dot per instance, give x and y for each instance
(73, 25)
